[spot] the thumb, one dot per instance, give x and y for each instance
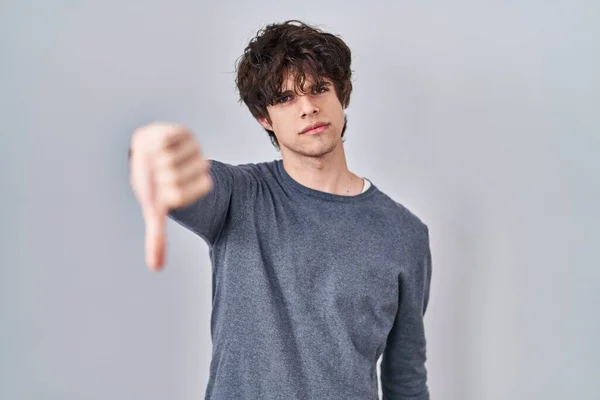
(154, 215)
(155, 220)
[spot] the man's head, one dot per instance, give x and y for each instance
(292, 76)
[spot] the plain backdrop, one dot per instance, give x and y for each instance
(482, 118)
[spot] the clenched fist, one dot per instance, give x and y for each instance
(167, 172)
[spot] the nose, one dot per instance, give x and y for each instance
(307, 106)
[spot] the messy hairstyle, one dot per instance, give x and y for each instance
(296, 48)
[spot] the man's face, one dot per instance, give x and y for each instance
(293, 113)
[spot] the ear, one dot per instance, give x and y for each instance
(265, 124)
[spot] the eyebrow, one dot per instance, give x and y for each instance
(313, 86)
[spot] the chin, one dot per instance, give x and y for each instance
(317, 150)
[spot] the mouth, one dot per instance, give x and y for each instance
(314, 128)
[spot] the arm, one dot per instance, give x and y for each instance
(207, 216)
(403, 372)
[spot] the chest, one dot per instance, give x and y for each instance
(341, 256)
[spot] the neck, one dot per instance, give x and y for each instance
(328, 173)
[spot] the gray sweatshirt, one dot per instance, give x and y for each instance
(310, 289)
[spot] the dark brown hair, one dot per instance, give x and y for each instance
(291, 47)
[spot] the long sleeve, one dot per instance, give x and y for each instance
(232, 186)
(403, 371)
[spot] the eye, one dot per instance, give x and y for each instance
(284, 99)
(322, 89)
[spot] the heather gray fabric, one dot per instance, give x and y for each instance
(309, 288)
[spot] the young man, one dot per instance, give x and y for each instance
(316, 272)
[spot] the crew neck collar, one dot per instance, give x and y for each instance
(292, 184)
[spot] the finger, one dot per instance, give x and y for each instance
(140, 174)
(154, 216)
(198, 188)
(178, 155)
(190, 186)
(178, 177)
(155, 243)
(170, 138)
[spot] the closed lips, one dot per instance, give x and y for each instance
(314, 126)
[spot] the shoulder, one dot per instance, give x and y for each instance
(247, 177)
(404, 220)
(256, 169)
(247, 171)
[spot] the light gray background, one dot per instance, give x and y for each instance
(481, 117)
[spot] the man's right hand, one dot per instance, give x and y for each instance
(167, 171)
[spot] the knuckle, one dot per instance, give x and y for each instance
(163, 142)
(196, 149)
